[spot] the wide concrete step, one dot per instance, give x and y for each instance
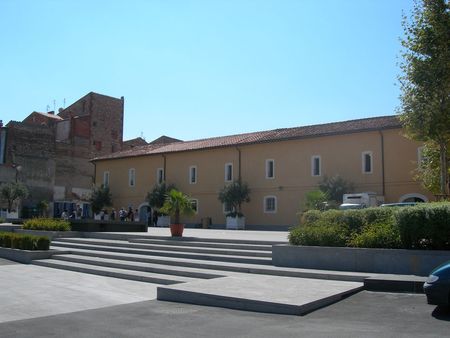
(140, 276)
(281, 295)
(172, 247)
(225, 267)
(197, 256)
(142, 266)
(133, 236)
(197, 243)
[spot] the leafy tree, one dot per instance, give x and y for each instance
(42, 208)
(157, 196)
(100, 198)
(315, 200)
(233, 195)
(425, 78)
(335, 187)
(12, 192)
(429, 168)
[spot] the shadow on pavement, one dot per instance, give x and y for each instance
(441, 313)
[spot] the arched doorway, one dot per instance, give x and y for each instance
(144, 213)
(414, 197)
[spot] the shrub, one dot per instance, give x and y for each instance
(47, 224)
(331, 235)
(23, 241)
(377, 235)
(425, 226)
(2, 220)
(310, 217)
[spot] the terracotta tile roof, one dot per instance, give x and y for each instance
(328, 129)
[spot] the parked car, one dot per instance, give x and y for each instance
(403, 204)
(437, 286)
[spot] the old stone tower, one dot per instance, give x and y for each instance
(50, 152)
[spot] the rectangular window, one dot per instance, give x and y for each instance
(193, 174)
(194, 204)
(132, 177)
(367, 159)
(227, 208)
(421, 158)
(270, 169)
(316, 166)
(228, 172)
(159, 175)
(106, 178)
(270, 204)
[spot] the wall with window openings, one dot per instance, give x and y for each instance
(278, 173)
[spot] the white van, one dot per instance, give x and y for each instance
(360, 200)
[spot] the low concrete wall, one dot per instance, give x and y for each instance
(9, 227)
(389, 261)
(25, 256)
(107, 226)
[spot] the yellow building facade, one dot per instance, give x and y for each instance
(280, 167)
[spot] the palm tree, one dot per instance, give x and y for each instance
(177, 204)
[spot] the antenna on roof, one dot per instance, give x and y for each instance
(54, 105)
(48, 108)
(64, 104)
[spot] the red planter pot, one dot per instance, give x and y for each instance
(176, 230)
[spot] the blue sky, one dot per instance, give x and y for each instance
(196, 69)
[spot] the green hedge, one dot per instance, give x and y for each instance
(425, 226)
(2, 220)
(23, 241)
(47, 224)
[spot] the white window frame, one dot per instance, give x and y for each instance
(193, 178)
(313, 161)
(195, 201)
(159, 175)
(268, 161)
(363, 158)
(228, 170)
(267, 211)
(420, 157)
(106, 178)
(131, 177)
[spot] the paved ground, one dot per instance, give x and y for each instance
(29, 291)
(44, 302)
(277, 236)
(365, 314)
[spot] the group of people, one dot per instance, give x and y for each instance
(123, 215)
(76, 213)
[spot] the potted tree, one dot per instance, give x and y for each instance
(176, 205)
(233, 196)
(156, 199)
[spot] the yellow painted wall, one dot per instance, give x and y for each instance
(341, 154)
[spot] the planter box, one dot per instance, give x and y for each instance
(387, 261)
(163, 221)
(234, 223)
(85, 225)
(25, 256)
(49, 234)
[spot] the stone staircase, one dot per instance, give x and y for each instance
(167, 260)
(158, 260)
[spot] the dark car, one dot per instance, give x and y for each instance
(437, 286)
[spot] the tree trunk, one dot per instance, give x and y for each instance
(444, 171)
